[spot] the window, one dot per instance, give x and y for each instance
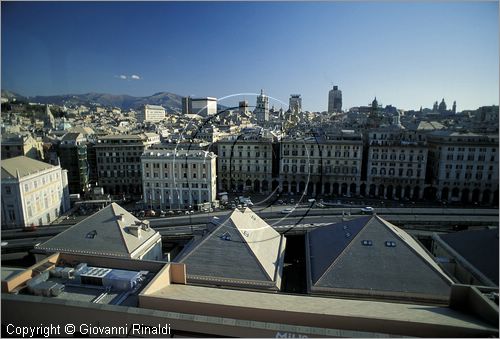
(225, 236)
(91, 234)
(390, 243)
(366, 243)
(7, 190)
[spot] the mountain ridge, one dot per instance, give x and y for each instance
(171, 101)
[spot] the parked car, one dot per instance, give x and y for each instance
(292, 201)
(279, 202)
(287, 210)
(367, 210)
(141, 214)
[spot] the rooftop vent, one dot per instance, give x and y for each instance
(120, 217)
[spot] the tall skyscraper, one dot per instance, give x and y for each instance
(186, 105)
(295, 103)
(262, 108)
(335, 100)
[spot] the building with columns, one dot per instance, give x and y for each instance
(178, 178)
(329, 165)
(463, 167)
(245, 163)
(396, 164)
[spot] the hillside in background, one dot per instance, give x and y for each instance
(171, 101)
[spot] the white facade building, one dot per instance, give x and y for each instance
(178, 179)
(151, 113)
(33, 192)
(203, 106)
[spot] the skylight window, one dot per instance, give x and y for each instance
(366, 243)
(226, 236)
(390, 243)
(91, 234)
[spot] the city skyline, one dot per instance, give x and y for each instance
(406, 54)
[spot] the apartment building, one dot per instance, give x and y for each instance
(178, 178)
(396, 164)
(151, 113)
(246, 163)
(72, 152)
(118, 159)
(463, 167)
(324, 165)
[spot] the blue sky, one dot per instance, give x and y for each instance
(407, 54)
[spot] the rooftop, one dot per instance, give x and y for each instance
(22, 166)
(109, 232)
(241, 250)
(179, 153)
(154, 107)
(369, 256)
(323, 312)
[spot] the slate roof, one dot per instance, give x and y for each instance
(243, 250)
(478, 247)
(71, 136)
(339, 263)
(112, 237)
(23, 165)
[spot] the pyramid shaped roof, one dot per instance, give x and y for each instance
(370, 256)
(242, 250)
(103, 233)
